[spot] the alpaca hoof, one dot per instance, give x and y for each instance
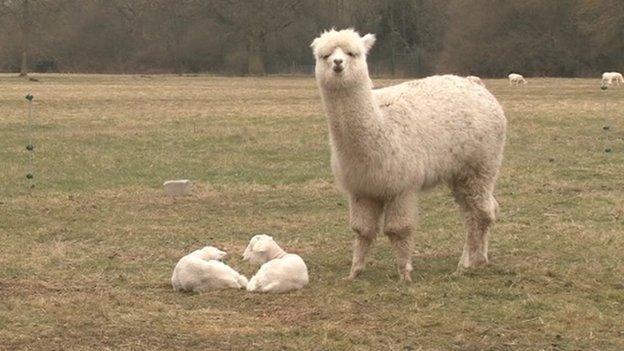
(474, 262)
(405, 277)
(405, 274)
(353, 275)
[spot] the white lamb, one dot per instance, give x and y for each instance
(202, 270)
(280, 271)
(475, 80)
(516, 79)
(609, 78)
(388, 144)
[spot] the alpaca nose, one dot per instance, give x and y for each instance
(338, 61)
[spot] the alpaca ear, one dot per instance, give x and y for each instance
(369, 41)
(314, 44)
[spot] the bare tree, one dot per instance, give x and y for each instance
(25, 14)
(21, 11)
(415, 37)
(255, 21)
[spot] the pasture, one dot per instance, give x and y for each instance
(86, 257)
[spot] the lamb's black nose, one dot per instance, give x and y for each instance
(338, 61)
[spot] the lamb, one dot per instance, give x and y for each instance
(475, 80)
(388, 144)
(280, 271)
(202, 270)
(609, 78)
(516, 79)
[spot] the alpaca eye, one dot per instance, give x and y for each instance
(325, 57)
(351, 54)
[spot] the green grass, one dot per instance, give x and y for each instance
(86, 256)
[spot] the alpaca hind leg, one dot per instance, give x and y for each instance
(364, 217)
(479, 209)
(399, 227)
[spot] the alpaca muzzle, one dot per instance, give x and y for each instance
(338, 68)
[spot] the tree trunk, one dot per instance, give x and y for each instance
(392, 35)
(255, 55)
(26, 27)
(24, 64)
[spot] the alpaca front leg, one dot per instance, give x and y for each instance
(399, 227)
(475, 252)
(364, 217)
(480, 213)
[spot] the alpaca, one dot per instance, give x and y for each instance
(516, 79)
(389, 144)
(280, 271)
(202, 270)
(475, 80)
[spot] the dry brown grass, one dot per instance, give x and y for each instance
(86, 257)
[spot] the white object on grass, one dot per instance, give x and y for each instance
(177, 187)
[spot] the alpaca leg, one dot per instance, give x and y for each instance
(399, 227)
(365, 214)
(480, 210)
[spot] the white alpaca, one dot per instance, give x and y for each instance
(475, 80)
(516, 79)
(609, 78)
(388, 144)
(280, 271)
(201, 270)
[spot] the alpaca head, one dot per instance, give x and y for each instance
(261, 249)
(211, 253)
(341, 58)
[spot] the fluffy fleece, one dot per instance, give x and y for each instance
(202, 270)
(516, 79)
(279, 271)
(388, 144)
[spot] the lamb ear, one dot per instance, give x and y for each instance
(369, 41)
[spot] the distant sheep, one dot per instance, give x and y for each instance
(516, 79)
(280, 271)
(475, 80)
(609, 78)
(201, 270)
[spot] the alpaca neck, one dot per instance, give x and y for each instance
(354, 118)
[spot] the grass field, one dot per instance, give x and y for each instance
(86, 257)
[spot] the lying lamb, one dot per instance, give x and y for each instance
(202, 270)
(280, 271)
(516, 79)
(475, 80)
